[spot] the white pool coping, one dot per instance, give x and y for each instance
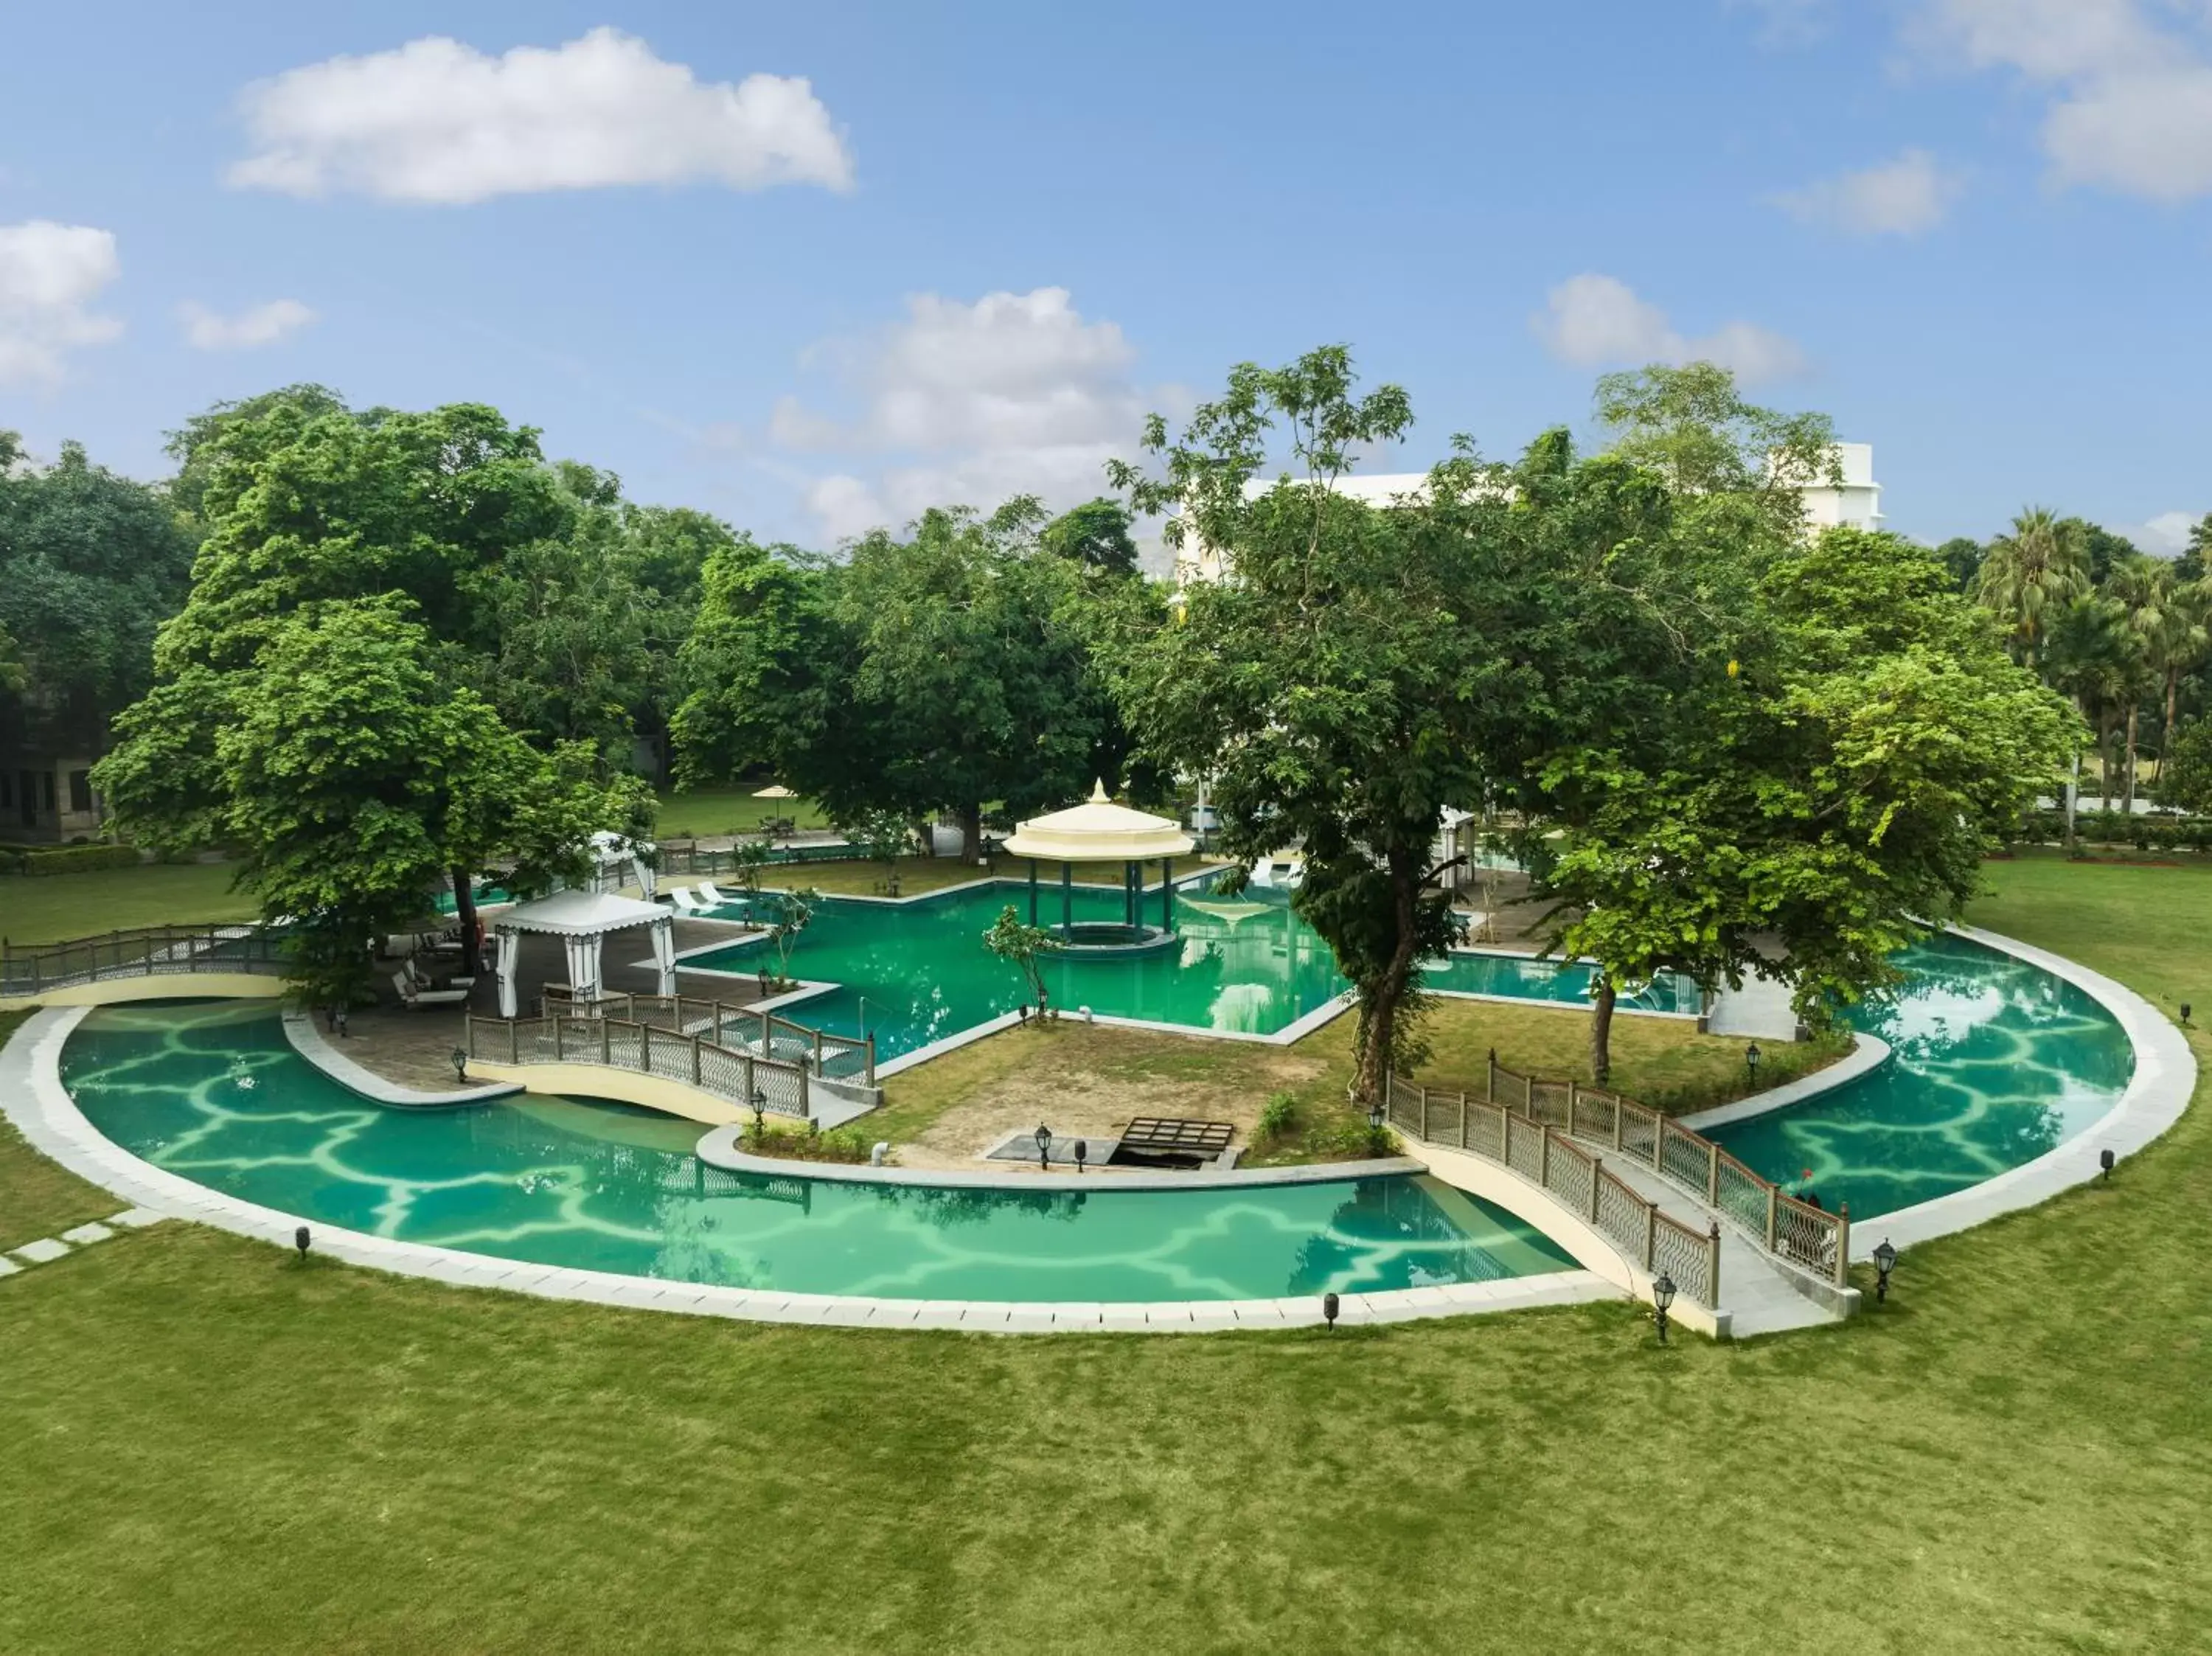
(718, 1148)
(1868, 1054)
(34, 1099)
(310, 1043)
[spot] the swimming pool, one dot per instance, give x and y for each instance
(214, 1092)
(915, 972)
(1994, 1062)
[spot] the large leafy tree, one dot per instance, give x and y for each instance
(2167, 621)
(91, 564)
(945, 670)
(396, 528)
(1094, 533)
(1817, 797)
(1339, 689)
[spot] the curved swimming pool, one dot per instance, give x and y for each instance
(215, 1093)
(1993, 1062)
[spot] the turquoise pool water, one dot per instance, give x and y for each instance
(214, 1092)
(1995, 1061)
(1247, 965)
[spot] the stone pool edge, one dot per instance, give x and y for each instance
(42, 1110)
(1868, 1053)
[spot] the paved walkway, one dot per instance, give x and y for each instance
(1755, 1291)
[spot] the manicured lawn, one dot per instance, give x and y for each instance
(210, 1448)
(1137, 1072)
(59, 906)
(709, 812)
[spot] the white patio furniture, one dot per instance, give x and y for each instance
(418, 996)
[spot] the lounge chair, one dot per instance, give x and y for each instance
(685, 902)
(714, 896)
(424, 981)
(418, 996)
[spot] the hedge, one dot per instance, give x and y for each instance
(2112, 827)
(67, 860)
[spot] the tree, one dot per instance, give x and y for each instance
(760, 670)
(348, 778)
(2184, 780)
(1961, 558)
(885, 835)
(91, 564)
(2090, 657)
(2030, 573)
(1691, 426)
(1813, 802)
(1335, 689)
(787, 913)
(2168, 623)
(1014, 939)
(1096, 535)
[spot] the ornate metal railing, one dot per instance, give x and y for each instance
(143, 951)
(764, 1034)
(1539, 1129)
(736, 1073)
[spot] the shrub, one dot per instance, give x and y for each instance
(69, 859)
(1279, 1117)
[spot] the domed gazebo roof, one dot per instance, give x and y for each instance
(1098, 831)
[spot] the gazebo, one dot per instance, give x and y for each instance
(581, 919)
(1100, 831)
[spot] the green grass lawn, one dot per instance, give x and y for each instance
(210, 1448)
(38, 1198)
(58, 905)
(704, 813)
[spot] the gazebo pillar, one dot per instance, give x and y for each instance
(1066, 900)
(1167, 893)
(1032, 891)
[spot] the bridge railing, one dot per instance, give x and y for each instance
(138, 952)
(765, 1034)
(1557, 1134)
(742, 1077)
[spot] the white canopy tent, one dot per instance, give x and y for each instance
(581, 919)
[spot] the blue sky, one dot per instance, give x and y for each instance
(981, 239)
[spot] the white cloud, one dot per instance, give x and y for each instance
(50, 276)
(2131, 106)
(438, 121)
(1901, 197)
(1788, 23)
(970, 403)
(2165, 536)
(1596, 321)
(258, 324)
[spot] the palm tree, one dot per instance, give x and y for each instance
(2029, 574)
(2089, 655)
(2169, 618)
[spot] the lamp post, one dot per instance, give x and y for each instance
(1751, 1056)
(1044, 1147)
(759, 1101)
(460, 1061)
(2105, 1160)
(1885, 1261)
(2185, 1015)
(1328, 1309)
(300, 1241)
(1663, 1296)
(1082, 1153)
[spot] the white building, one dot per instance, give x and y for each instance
(1854, 503)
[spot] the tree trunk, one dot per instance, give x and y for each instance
(971, 833)
(2166, 732)
(2073, 796)
(1379, 1005)
(2128, 778)
(926, 836)
(1602, 1032)
(465, 913)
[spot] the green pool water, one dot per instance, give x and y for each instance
(213, 1092)
(915, 972)
(1995, 1061)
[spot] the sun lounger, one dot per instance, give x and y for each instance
(685, 902)
(714, 896)
(418, 996)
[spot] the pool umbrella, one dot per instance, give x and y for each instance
(774, 791)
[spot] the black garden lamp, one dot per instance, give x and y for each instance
(2105, 1160)
(1885, 1261)
(460, 1061)
(1328, 1310)
(759, 1101)
(300, 1241)
(1044, 1146)
(1663, 1296)
(1377, 1114)
(2185, 1015)
(1751, 1056)
(1082, 1154)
